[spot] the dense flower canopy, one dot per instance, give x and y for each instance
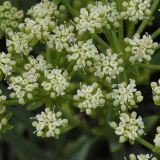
(90, 61)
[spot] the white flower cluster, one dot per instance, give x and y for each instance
(89, 98)
(129, 128)
(24, 85)
(136, 9)
(6, 64)
(38, 63)
(83, 53)
(36, 28)
(19, 43)
(142, 157)
(43, 9)
(10, 17)
(49, 123)
(125, 96)
(140, 48)
(156, 92)
(38, 73)
(95, 17)
(41, 23)
(157, 138)
(55, 82)
(108, 65)
(40, 29)
(62, 38)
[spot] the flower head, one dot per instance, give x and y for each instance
(125, 96)
(38, 73)
(157, 138)
(129, 128)
(43, 9)
(49, 123)
(62, 38)
(55, 82)
(141, 157)
(19, 43)
(136, 9)
(6, 64)
(89, 98)
(10, 17)
(95, 17)
(83, 53)
(108, 66)
(156, 92)
(141, 49)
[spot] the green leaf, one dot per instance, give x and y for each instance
(34, 106)
(8, 116)
(25, 147)
(9, 127)
(78, 150)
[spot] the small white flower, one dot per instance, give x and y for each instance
(95, 17)
(48, 123)
(89, 98)
(42, 10)
(83, 53)
(125, 96)
(38, 73)
(157, 138)
(128, 130)
(39, 29)
(10, 17)
(56, 82)
(108, 66)
(140, 49)
(6, 64)
(136, 9)
(156, 92)
(141, 157)
(62, 38)
(19, 43)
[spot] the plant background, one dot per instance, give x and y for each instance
(77, 144)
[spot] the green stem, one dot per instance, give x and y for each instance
(48, 55)
(119, 4)
(148, 66)
(121, 28)
(116, 41)
(121, 34)
(125, 77)
(131, 29)
(101, 41)
(11, 102)
(70, 8)
(148, 145)
(156, 34)
(109, 38)
(144, 22)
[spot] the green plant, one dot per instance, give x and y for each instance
(89, 60)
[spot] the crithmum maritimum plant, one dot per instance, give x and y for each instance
(91, 60)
